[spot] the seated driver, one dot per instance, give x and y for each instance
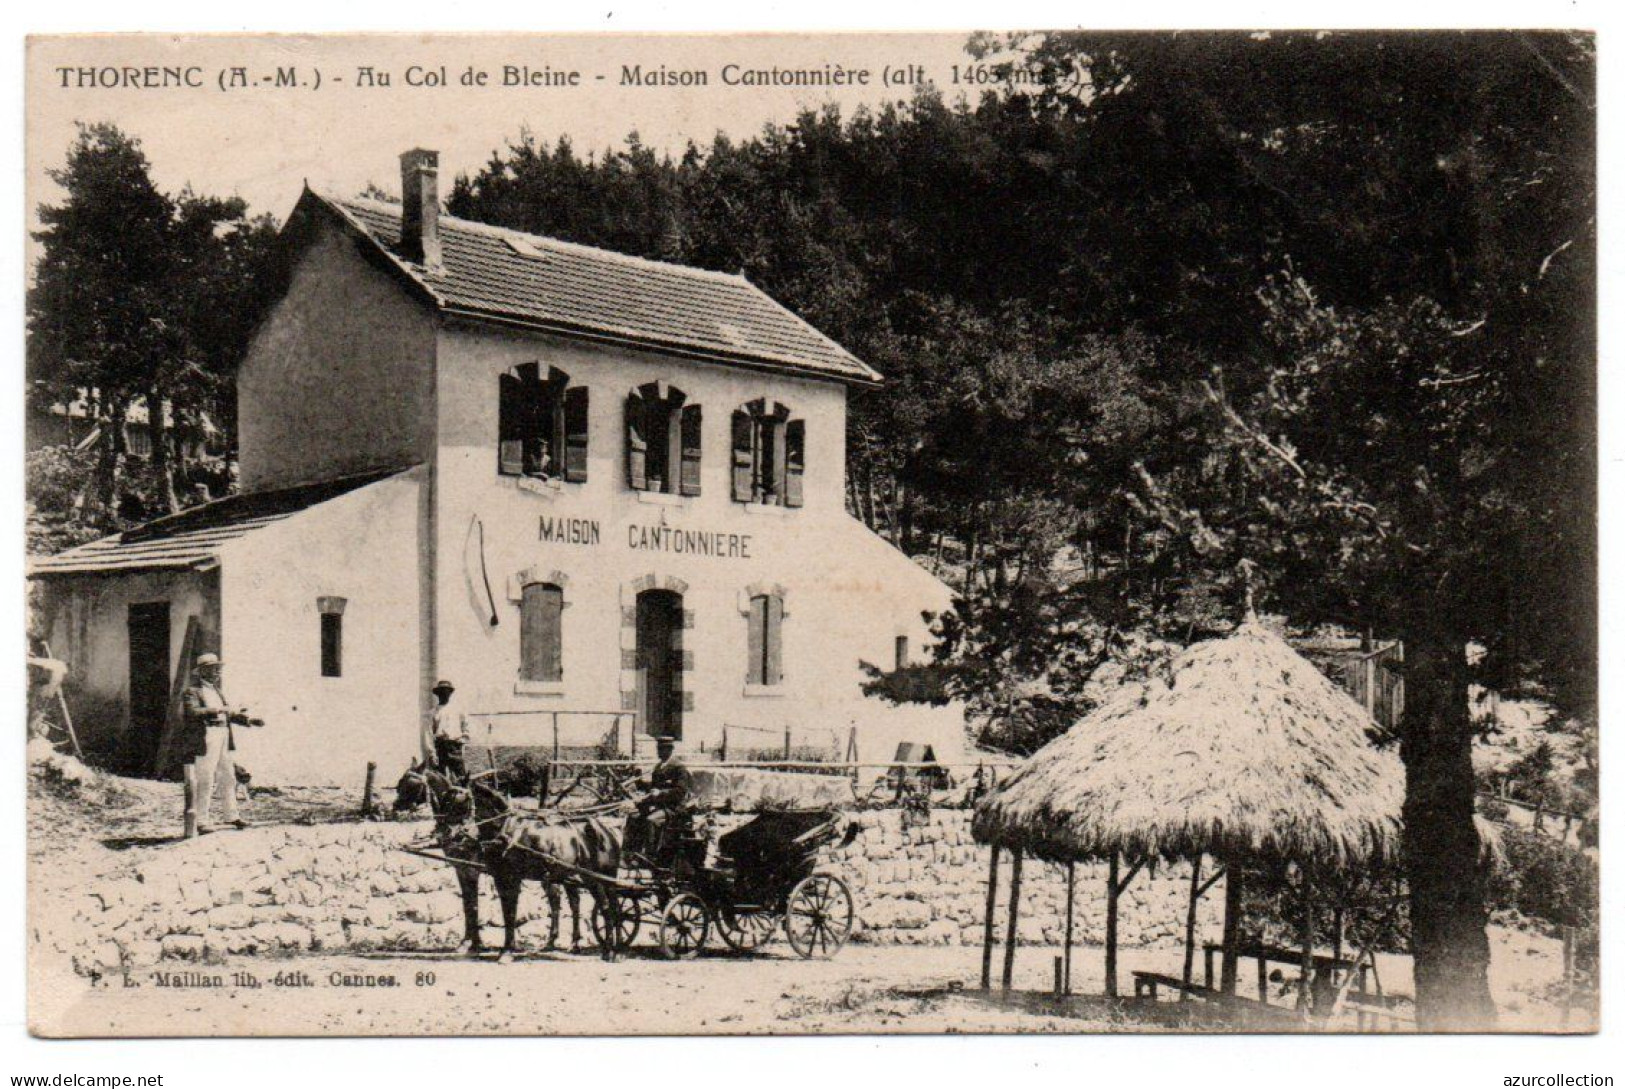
(669, 788)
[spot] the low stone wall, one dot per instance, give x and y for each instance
(290, 889)
(927, 885)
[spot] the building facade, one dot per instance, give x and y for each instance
(604, 496)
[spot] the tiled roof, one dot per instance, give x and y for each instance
(193, 537)
(571, 288)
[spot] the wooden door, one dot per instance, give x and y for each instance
(660, 696)
(149, 678)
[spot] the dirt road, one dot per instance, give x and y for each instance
(884, 989)
(864, 989)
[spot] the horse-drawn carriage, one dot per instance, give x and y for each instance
(765, 876)
(745, 885)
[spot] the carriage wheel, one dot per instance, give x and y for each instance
(683, 925)
(818, 915)
(631, 921)
(746, 929)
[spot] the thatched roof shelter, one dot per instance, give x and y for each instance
(1239, 749)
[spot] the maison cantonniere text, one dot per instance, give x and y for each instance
(649, 538)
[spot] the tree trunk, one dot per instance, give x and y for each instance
(163, 461)
(111, 464)
(1448, 917)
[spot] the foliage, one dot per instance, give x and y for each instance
(1546, 878)
(55, 480)
(1368, 906)
(140, 296)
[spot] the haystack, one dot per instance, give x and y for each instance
(1239, 749)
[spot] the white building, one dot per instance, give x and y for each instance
(598, 493)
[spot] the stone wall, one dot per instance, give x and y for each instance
(290, 889)
(927, 885)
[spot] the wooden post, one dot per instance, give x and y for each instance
(1071, 886)
(1232, 926)
(1060, 977)
(1015, 912)
(1190, 918)
(787, 742)
(1306, 936)
(189, 820)
(164, 757)
(1570, 971)
(987, 923)
(1111, 927)
(366, 790)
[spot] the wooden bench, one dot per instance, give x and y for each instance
(1147, 984)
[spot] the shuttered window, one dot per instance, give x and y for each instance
(663, 441)
(769, 455)
(541, 424)
(766, 640)
(541, 624)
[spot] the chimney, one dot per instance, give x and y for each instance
(420, 207)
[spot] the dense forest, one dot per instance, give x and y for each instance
(1188, 323)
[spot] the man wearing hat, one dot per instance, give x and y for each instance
(664, 809)
(206, 744)
(444, 732)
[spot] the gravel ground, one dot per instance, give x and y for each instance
(887, 989)
(864, 989)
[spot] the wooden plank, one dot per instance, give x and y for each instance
(62, 705)
(164, 758)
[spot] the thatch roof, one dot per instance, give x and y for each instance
(1240, 746)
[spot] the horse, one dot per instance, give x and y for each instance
(453, 810)
(554, 850)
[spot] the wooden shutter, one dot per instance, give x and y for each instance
(756, 640)
(510, 425)
(773, 639)
(637, 446)
(541, 652)
(795, 452)
(690, 478)
(742, 456)
(575, 434)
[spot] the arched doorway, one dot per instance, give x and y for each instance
(659, 658)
